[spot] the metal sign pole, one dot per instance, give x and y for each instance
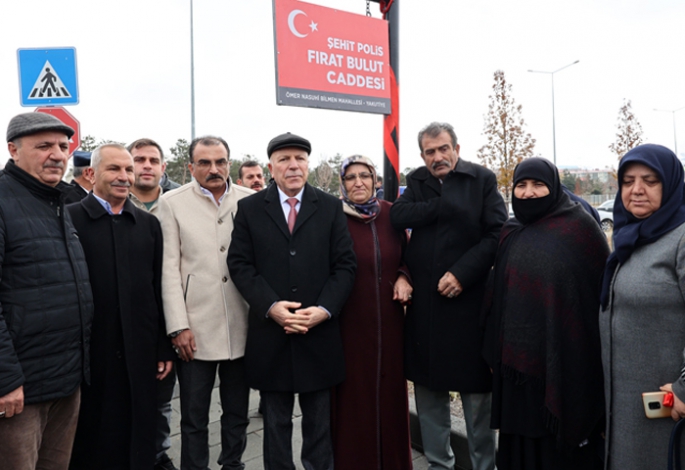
(391, 122)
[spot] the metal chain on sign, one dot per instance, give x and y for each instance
(368, 7)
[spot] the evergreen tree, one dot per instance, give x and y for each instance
(177, 167)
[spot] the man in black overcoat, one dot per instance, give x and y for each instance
(456, 214)
(291, 258)
(82, 182)
(130, 351)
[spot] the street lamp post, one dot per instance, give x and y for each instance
(675, 138)
(554, 127)
(192, 77)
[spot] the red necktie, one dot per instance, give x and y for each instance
(293, 213)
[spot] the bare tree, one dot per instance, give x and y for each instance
(507, 142)
(323, 174)
(629, 130)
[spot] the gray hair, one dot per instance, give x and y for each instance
(96, 157)
(434, 129)
(78, 171)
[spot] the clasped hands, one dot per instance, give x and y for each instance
(296, 320)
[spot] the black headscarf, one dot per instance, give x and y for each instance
(631, 232)
(542, 324)
(530, 210)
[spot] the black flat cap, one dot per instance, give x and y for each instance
(81, 158)
(33, 123)
(288, 140)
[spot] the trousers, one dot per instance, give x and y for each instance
(196, 381)
(433, 409)
(41, 436)
(317, 447)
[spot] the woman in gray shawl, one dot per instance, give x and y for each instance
(642, 323)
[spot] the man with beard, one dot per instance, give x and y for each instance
(251, 175)
(130, 351)
(149, 174)
(206, 316)
(148, 171)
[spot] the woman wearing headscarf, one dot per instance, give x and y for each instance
(642, 322)
(370, 418)
(542, 334)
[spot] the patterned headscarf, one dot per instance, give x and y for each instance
(371, 208)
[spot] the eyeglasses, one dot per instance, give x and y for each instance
(206, 164)
(361, 176)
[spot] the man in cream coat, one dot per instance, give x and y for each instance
(206, 317)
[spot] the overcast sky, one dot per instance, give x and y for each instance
(134, 71)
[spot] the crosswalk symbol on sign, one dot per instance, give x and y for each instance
(48, 84)
(47, 77)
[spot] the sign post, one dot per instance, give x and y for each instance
(47, 77)
(66, 117)
(391, 123)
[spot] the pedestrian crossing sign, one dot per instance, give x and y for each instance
(47, 77)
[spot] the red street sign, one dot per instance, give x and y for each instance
(328, 58)
(66, 117)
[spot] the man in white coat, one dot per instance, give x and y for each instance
(206, 316)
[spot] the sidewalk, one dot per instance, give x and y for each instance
(253, 453)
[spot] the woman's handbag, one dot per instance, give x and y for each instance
(674, 445)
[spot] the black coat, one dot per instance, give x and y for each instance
(118, 409)
(46, 306)
(455, 227)
(73, 192)
(315, 265)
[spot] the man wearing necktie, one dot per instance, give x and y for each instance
(291, 258)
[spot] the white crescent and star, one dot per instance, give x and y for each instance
(291, 24)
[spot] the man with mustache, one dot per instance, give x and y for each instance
(150, 182)
(45, 298)
(206, 317)
(251, 175)
(456, 214)
(291, 258)
(130, 352)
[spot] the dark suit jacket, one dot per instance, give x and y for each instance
(315, 265)
(455, 227)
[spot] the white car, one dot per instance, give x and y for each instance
(606, 215)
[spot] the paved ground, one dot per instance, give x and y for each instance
(253, 453)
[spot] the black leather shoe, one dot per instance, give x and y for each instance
(165, 463)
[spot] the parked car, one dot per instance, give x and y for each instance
(606, 215)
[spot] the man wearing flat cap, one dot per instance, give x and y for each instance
(206, 317)
(82, 182)
(291, 258)
(46, 304)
